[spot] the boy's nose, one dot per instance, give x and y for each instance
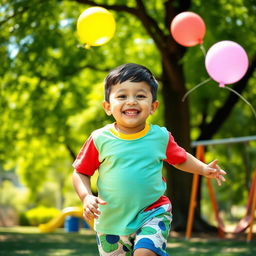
(131, 100)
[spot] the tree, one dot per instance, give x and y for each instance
(42, 74)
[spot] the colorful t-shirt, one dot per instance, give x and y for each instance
(130, 174)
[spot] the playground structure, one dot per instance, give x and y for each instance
(59, 220)
(244, 223)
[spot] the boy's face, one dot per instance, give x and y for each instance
(130, 103)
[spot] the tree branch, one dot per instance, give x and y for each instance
(151, 26)
(96, 68)
(14, 15)
(170, 12)
(223, 113)
(71, 152)
(114, 7)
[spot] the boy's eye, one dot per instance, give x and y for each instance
(141, 96)
(122, 96)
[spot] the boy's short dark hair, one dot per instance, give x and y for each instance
(130, 72)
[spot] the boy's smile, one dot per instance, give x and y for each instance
(130, 103)
(131, 112)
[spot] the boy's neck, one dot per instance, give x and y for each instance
(129, 130)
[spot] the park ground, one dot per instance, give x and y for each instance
(17, 241)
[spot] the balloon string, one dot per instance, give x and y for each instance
(85, 46)
(239, 95)
(203, 49)
(194, 88)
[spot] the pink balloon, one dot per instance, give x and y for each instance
(226, 62)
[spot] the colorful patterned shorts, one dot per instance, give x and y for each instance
(152, 235)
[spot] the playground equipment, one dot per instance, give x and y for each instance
(249, 235)
(245, 222)
(59, 220)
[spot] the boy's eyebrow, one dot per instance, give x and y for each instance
(121, 90)
(142, 90)
(124, 90)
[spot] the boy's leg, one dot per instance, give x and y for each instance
(151, 238)
(144, 252)
(113, 245)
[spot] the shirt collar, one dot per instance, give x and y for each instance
(132, 136)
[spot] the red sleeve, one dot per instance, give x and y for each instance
(87, 161)
(174, 153)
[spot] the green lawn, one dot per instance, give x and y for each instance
(28, 241)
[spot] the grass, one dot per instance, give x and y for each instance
(17, 241)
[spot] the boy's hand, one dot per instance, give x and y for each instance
(91, 206)
(213, 171)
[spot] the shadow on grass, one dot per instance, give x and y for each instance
(28, 241)
(211, 247)
(20, 241)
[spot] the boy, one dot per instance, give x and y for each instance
(132, 215)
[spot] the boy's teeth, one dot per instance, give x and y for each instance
(131, 112)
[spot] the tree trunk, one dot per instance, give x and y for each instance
(176, 116)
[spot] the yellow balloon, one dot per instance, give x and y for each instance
(96, 26)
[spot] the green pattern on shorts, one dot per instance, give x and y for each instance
(128, 246)
(166, 222)
(114, 245)
(147, 231)
(106, 246)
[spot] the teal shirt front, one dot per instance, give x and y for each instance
(130, 176)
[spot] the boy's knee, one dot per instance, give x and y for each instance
(143, 252)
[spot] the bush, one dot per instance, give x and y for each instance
(38, 215)
(23, 220)
(12, 196)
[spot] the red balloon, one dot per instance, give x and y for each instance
(188, 29)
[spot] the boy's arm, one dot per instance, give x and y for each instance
(82, 185)
(193, 165)
(90, 202)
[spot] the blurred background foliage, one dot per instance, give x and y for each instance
(52, 89)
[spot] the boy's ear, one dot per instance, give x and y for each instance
(106, 106)
(154, 107)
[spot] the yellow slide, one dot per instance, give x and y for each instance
(59, 220)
